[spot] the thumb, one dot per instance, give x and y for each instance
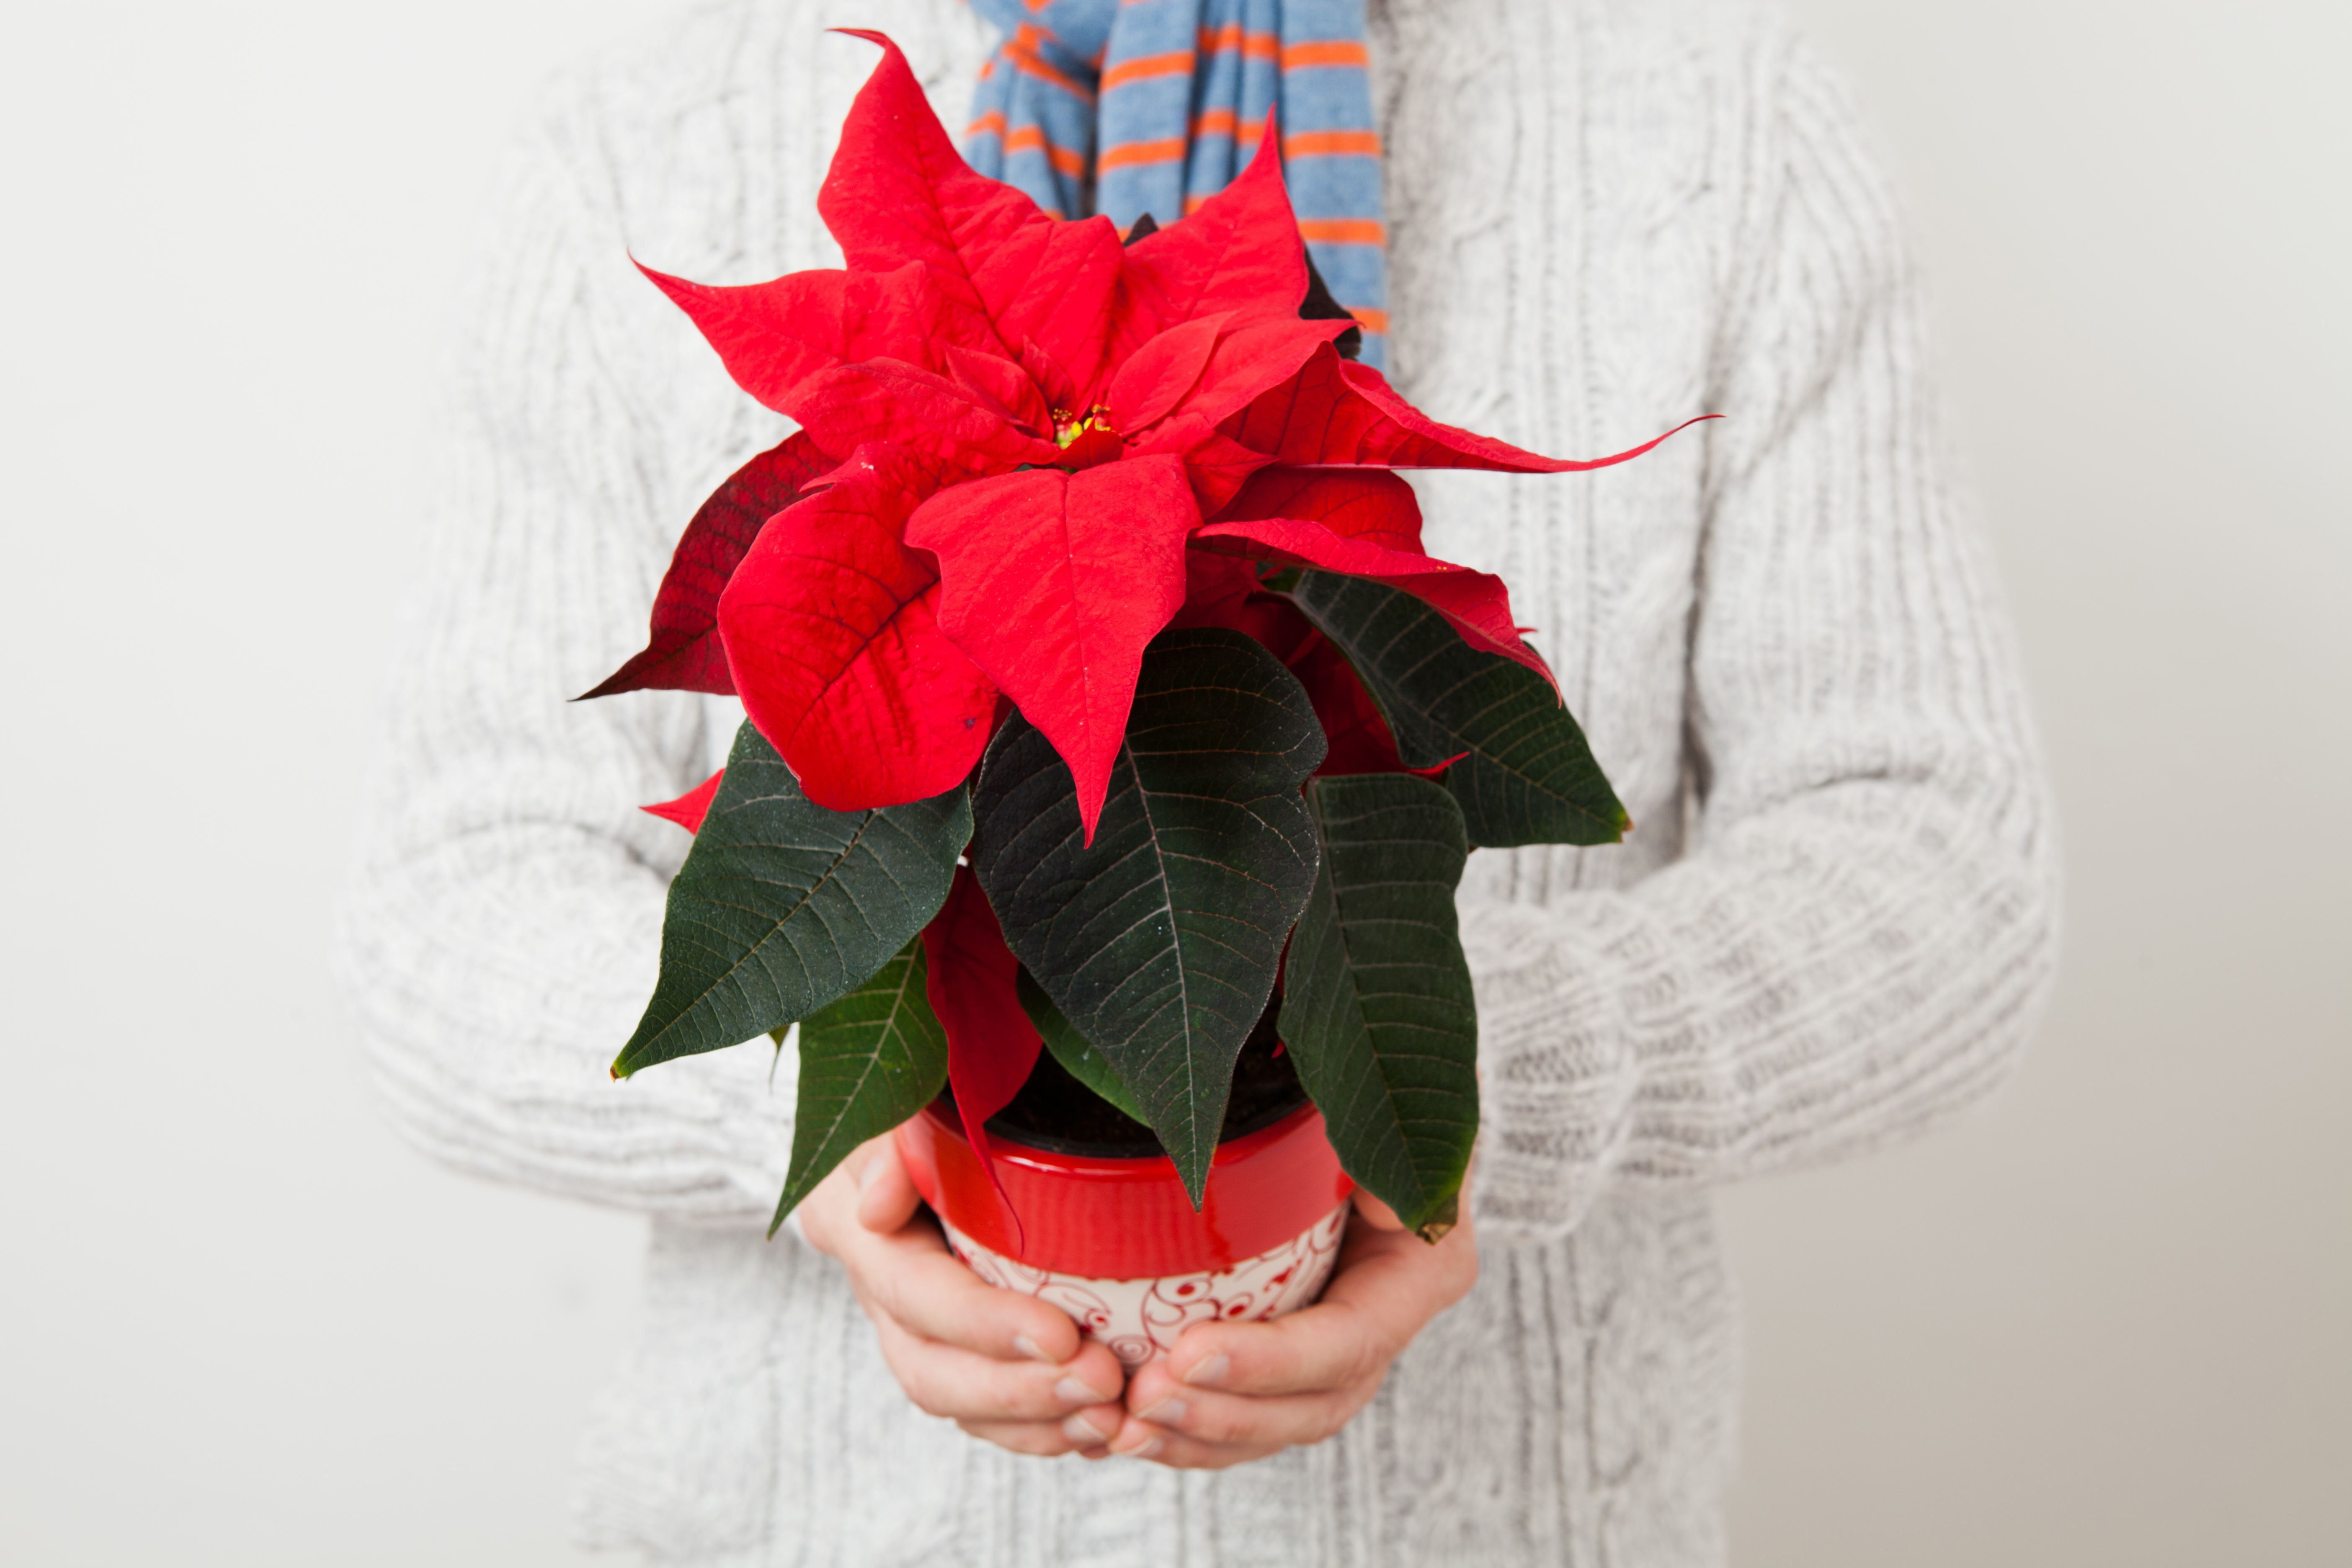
(885, 1192)
(1380, 1216)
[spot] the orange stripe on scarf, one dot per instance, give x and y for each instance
(1031, 139)
(1023, 49)
(1178, 64)
(1299, 55)
(1332, 144)
(1127, 153)
(1343, 230)
(1233, 38)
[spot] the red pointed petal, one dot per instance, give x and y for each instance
(1250, 359)
(1338, 412)
(1001, 382)
(684, 653)
(891, 401)
(1476, 603)
(1162, 371)
(831, 628)
(773, 336)
(991, 1045)
(1053, 378)
(1215, 464)
(688, 809)
(1368, 504)
(1240, 252)
(1061, 296)
(899, 191)
(1245, 362)
(1053, 582)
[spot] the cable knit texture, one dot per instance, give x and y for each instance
(1832, 928)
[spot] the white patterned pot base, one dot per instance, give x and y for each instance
(1139, 1319)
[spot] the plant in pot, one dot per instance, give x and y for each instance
(1112, 751)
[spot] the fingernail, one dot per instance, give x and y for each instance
(1076, 1392)
(869, 1176)
(1167, 1413)
(1211, 1373)
(1028, 1347)
(1143, 1450)
(1085, 1433)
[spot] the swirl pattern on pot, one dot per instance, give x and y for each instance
(1141, 1319)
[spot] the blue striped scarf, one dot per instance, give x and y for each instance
(1158, 103)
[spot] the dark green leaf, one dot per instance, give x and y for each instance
(1529, 777)
(1376, 1005)
(868, 1061)
(782, 906)
(1161, 940)
(1081, 1060)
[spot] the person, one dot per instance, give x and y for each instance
(1832, 928)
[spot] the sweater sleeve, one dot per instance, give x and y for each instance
(1860, 933)
(500, 933)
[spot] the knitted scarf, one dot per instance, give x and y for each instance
(1151, 106)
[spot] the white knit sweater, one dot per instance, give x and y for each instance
(1832, 928)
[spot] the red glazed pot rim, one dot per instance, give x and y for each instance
(1128, 1219)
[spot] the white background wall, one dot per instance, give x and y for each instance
(2101, 1324)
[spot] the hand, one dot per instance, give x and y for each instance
(1229, 1392)
(1002, 1366)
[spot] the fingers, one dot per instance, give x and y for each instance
(1229, 1392)
(1043, 1439)
(1327, 1346)
(1179, 1452)
(962, 1387)
(1240, 1420)
(911, 1277)
(1390, 1283)
(1386, 1289)
(1005, 1367)
(904, 1271)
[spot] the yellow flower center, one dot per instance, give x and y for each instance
(1068, 427)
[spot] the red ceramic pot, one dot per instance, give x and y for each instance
(1118, 1245)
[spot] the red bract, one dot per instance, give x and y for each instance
(684, 653)
(1370, 526)
(1054, 582)
(971, 985)
(688, 809)
(832, 627)
(1035, 427)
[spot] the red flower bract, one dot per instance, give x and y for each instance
(992, 1043)
(1033, 428)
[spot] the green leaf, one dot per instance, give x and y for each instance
(868, 1061)
(1160, 941)
(782, 906)
(1081, 1060)
(1376, 1004)
(1529, 776)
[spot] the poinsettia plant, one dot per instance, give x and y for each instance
(1095, 679)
